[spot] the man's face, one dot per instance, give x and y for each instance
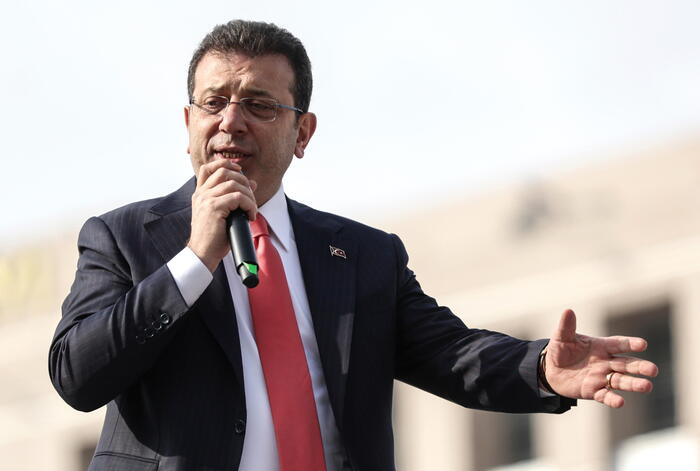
(263, 150)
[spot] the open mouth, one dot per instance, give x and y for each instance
(231, 155)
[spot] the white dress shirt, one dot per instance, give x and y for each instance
(192, 277)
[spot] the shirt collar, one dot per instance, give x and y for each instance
(277, 216)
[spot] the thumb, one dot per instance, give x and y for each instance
(566, 330)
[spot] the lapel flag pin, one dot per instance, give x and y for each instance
(336, 252)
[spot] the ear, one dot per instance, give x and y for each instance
(187, 123)
(307, 127)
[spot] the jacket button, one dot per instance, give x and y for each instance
(149, 332)
(164, 319)
(239, 427)
(157, 326)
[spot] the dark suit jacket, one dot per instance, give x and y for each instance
(172, 377)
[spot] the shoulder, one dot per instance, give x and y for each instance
(115, 228)
(129, 219)
(334, 222)
(144, 210)
(131, 210)
(375, 242)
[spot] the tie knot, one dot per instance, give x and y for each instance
(259, 227)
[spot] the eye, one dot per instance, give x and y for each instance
(214, 104)
(259, 107)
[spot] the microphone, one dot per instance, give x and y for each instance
(242, 247)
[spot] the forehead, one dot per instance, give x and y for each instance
(232, 73)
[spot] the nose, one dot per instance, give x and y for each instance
(232, 119)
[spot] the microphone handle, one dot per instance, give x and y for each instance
(242, 247)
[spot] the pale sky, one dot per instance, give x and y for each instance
(416, 101)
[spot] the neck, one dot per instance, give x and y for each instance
(263, 196)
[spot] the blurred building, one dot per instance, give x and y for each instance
(619, 242)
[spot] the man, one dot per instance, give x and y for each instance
(200, 373)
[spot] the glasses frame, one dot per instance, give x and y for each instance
(246, 113)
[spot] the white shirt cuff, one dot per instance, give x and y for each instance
(191, 275)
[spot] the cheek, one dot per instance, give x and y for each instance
(199, 137)
(288, 143)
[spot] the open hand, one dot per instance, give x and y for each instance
(583, 367)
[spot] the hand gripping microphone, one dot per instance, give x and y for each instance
(242, 247)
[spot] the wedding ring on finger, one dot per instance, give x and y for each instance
(608, 381)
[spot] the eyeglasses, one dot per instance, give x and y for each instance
(255, 110)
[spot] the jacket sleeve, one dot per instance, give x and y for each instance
(476, 368)
(112, 329)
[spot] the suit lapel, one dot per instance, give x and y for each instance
(168, 225)
(329, 280)
(330, 288)
(168, 221)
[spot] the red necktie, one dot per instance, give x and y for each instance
(283, 361)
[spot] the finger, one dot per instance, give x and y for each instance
(618, 344)
(208, 169)
(634, 366)
(235, 201)
(238, 185)
(566, 331)
(224, 174)
(231, 186)
(630, 383)
(253, 187)
(609, 398)
(222, 205)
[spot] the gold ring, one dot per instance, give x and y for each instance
(608, 379)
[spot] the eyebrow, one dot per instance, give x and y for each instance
(258, 92)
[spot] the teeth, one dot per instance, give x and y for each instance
(232, 155)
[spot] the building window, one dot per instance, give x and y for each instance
(644, 413)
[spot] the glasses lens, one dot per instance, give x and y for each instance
(259, 109)
(214, 104)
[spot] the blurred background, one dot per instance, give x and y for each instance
(532, 156)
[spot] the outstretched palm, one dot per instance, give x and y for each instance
(583, 367)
